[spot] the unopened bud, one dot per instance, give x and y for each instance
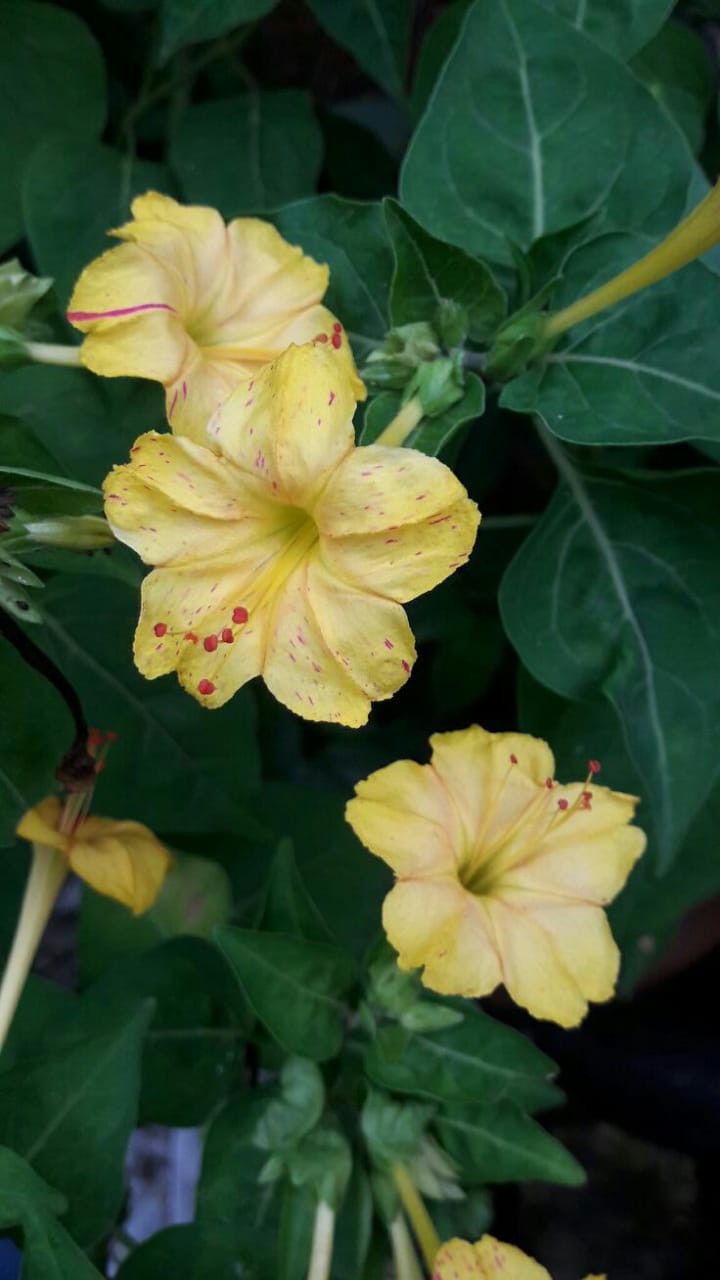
(71, 533)
(437, 385)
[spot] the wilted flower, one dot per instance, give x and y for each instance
(487, 1259)
(199, 306)
(288, 555)
(502, 873)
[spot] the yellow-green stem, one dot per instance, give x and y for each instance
(47, 872)
(322, 1243)
(405, 1260)
(691, 239)
(420, 1220)
(52, 353)
(405, 421)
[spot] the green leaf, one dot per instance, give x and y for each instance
(288, 907)
(641, 373)
(27, 1201)
(677, 69)
(35, 732)
(19, 292)
(248, 153)
(294, 987)
(439, 40)
(499, 1143)
(613, 593)
(620, 26)
(53, 79)
(193, 1250)
(351, 238)
(54, 1104)
(432, 435)
(393, 1130)
(502, 155)
(296, 1232)
(73, 195)
(173, 765)
(291, 1115)
(376, 34)
(354, 1227)
(429, 273)
(475, 1059)
(322, 1161)
(186, 22)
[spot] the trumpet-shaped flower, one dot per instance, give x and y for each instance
(199, 306)
(290, 554)
(487, 1259)
(502, 874)
(121, 860)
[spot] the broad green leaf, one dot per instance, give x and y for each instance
(288, 907)
(477, 1059)
(620, 26)
(186, 22)
(354, 1227)
(642, 372)
(248, 153)
(677, 68)
(322, 1160)
(296, 1109)
(376, 34)
(27, 1201)
(432, 435)
(437, 44)
(36, 730)
(295, 1233)
(350, 236)
(54, 1104)
(429, 273)
(499, 1143)
(393, 1129)
(73, 194)
(195, 1251)
(173, 765)
(53, 79)
(531, 128)
(614, 593)
(294, 987)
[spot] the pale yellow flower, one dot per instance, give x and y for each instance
(501, 873)
(122, 860)
(288, 552)
(488, 1259)
(199, 306)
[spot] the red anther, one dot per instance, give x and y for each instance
(206, 686)
(227, 636)
(586, 800)
(160, 629)
(210, 643)
(513, 758)
(320, 337)
(549, 784)
(240, 615)
(190, 635)
(594, 766)
(562, 804)
(336, 341)
(337, 327)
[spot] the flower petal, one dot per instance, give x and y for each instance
(370, 636)
(580, 936)
(299, 668)
(40, 824)
(456, 1260)
(401, 814)
(121, 860)
(433, 922)
(535, 976)
(188, 241)
(377, 488)
(499, 1261)
(271, 279)
(197, 391)
(291, 425)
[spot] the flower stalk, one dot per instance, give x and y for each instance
(694, 236)
(420, 1220)
(53, 353)
(47, 873)
(398, 429)
(322, 1242)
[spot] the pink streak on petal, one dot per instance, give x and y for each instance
(172, 406)
(80, 316)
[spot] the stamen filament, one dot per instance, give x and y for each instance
(413, 1204)
(697, 233)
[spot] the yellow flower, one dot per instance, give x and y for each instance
(488, 1259)
(199, 306)
(290, 554)
(122, 860)
(502, 873)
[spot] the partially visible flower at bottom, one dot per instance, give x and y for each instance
(488, 1259)
(502, 873)
(122, 860)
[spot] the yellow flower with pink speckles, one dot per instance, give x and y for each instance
(488, 1259)
(285, 551)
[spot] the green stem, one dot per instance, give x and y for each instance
(422, 1224)
(405, 1260)
(406, 419)
(322, 1243)
(52, 353)
(47, 872)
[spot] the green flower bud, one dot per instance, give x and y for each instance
(71, 533)
(452, 323)
(520, 341)
(437, 385)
